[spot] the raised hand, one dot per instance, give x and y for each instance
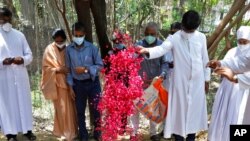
(142, 50)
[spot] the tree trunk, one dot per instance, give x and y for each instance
(236, 6)
(27, 8)
(83, 15)
(98, 8)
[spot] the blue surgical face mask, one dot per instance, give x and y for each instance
(150, 39)
(119, 46)
(78, 40)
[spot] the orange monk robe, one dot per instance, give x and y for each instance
(55, 88)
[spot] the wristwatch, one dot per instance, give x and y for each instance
(86, 71)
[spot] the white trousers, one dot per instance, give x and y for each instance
(154, 127)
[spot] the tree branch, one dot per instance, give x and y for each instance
(212, 49)
(64, 7)
(233, 10)
(63, 13)
(58, 7)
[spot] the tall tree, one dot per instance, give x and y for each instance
(98, 9)
(84, 16)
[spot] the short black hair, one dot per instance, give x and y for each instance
(175, 25)
(78, 26)
(59, 33)
(5, 12)
(152, 25)
(191, 20)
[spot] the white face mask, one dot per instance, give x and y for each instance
(61, 45)
(186, 35)
(78, 40)
(6, 27)
(244, 48)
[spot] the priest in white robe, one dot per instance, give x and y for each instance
(231, 97)
(187, 109)
(15, 98)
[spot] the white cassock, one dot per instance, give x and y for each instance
(229, 105)
(15, 98)
(241, 64)
(187, 109)
(168, 57)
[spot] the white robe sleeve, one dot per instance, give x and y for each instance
(27, 54)
(1, 64)
(205, 59)
(244, 80)
(159, 51)
(239, 64)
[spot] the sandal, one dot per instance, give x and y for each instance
(30, 136)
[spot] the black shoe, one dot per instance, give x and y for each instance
(98, 138)
(161, 134)
(81, 139)
(12, 139)
(155, 138)
(30, 136)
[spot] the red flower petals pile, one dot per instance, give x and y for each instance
(122, 86)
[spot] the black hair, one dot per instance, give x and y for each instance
(78, 26)
(175, 25)
(59, 33)
(5, 12)
(152, 25)
(191, 20)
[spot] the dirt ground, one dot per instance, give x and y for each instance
(43, 119)
(43, 130)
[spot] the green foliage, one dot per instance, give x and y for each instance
(214, 83)
(17, 5)
(35, 89)
(71, 13)
(40, 5)
(129, 12)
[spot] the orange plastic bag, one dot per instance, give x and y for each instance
(154, 102)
